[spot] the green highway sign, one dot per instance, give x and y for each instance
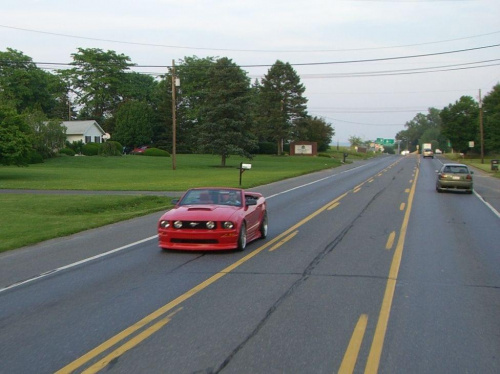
(383, 141)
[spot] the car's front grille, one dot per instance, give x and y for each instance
(194, 225)
(195, 241)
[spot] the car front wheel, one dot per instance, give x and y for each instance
(263, 226)
(242, 237)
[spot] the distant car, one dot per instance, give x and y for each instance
(456, 177)
(427, 152)
(213, 219)
(405, 152)
(438, 152)
(139, 150)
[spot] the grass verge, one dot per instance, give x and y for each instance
(141, 173)
(476, 162)
(28, 219)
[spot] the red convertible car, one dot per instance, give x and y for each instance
(213, 219)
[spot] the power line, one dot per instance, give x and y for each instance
(362, 123)
(367, 111)
(396, 72)
(243, 50)
(385, 58)
(309, 63)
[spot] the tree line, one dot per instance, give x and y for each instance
(218, 109)
(457, 127)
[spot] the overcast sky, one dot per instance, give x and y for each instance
(327, 41)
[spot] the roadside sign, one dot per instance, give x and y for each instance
(383, 141)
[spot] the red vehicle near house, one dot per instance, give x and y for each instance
(213, 218)
(139, 150)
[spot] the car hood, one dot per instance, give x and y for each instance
(200, 212)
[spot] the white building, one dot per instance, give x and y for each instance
(86, 131)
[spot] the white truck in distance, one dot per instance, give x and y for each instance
(427, 150)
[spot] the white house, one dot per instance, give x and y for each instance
(86, 131)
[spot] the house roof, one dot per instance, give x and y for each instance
(80, 127)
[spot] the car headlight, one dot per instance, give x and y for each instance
(210, 225)
(178, 224)
(228, 225)
(164, 224)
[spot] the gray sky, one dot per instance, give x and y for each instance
(327, 42)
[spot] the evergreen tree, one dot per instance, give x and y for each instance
(282, 103)
(225, 112)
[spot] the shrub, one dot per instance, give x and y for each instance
(75, 146)
(324, 155)
(163, 145)
(90, 149)
(110, 148)
(155, 152)
(35, 158)
(267, 148)
(67, 151)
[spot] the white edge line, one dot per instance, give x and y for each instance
(316, 181)
(495, 212)
(50, 272)
(487, 204)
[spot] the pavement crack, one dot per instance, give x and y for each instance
(303, 278)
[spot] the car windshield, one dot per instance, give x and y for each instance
(212, 196)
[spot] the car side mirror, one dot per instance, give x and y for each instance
(249, 202)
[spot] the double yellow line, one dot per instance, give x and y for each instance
(350, 357)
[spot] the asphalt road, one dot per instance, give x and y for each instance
(366, 269)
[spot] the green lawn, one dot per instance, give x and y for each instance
(30, 218)
(476, 162)
(137, 173)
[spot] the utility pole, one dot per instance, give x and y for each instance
(174, 107)
(481, 127)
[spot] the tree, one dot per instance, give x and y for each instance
(194, 74)
(133, 126)
(136, 86)
(461, 123)
(281, 102)
(423, 128)
(47, 135)
(15, 142)
(315, 129)
(26, 86)
(96, 79)
(225, 112)
(491, 120)
(355, 141)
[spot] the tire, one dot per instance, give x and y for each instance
(242, 237)
(263, 226)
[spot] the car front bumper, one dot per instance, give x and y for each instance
(197, 240)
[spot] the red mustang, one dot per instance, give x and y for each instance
(213, 219)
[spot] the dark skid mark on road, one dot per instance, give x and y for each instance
(305, 275)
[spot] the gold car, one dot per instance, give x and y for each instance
(427, 152)
(456, 177)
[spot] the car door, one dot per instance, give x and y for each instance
(252, 214)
